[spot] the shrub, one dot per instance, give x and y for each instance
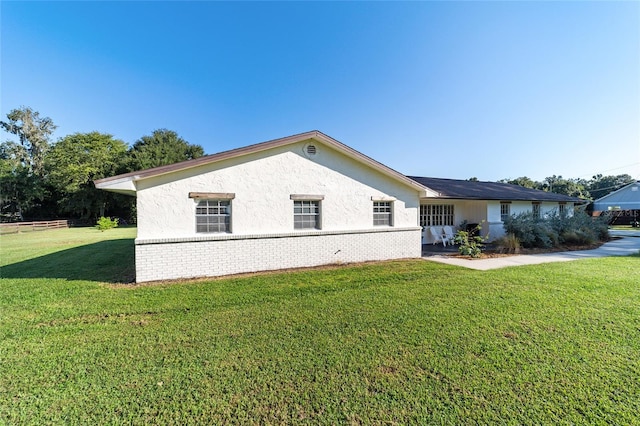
(105, 223)
(578, 237)
(584, 229)
(508, 244)
(530, 230)
(556, 229)
(471, 243)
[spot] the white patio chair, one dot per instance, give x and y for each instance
(449, 235)
(437, 235)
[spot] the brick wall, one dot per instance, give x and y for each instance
(228, 254)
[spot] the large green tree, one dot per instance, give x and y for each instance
(34, 133)
(160, 148)
(22, 174)
(600, 185)
(523, 181)
(571, 187)
(75, 161)
(20, 190)
(592, 189)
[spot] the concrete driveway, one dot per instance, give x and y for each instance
(627, 245)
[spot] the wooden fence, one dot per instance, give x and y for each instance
(12, 228)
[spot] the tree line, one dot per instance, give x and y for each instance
(41, 179)
(587, 189)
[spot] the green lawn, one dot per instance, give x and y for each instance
(390, 343)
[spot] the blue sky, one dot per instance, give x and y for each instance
(445, 89)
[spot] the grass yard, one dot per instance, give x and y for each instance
(390, 343)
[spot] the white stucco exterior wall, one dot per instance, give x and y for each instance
(262, 184)
(263, 235)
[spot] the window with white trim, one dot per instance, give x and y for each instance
(382, 213)
(213, 216)
(535, 209)
(505, 210)
(436, 215)
(306, 214)
(562, 208)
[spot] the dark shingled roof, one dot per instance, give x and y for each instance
(470, 190)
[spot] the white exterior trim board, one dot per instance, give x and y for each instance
(226, 237)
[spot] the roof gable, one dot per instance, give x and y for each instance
(125, 183)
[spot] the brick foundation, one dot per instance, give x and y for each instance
(230, 254)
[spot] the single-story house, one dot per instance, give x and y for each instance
(299, 201)
(623, 204)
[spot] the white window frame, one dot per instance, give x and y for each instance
(505, 210)
(307, 211)
(213, 216)
(562, 208)
(536, 209)
(382, 213)
(437, 215)
(218, 200)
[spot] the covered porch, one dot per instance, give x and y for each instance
(465, 214)
(435, 214)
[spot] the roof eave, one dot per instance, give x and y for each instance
(445, 197)
(124, 185)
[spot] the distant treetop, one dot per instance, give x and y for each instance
(160, 148)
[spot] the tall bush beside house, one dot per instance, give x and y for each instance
(530, 230)
(580, 228)
(555, 229)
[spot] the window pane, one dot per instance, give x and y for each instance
(306, 214)
(437, 215)
(213, 216)
(382, 213)
(505, 211)
(536, 210)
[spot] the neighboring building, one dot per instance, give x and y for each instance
(299, 201)
(623, 204)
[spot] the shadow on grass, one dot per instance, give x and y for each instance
(106, 261)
